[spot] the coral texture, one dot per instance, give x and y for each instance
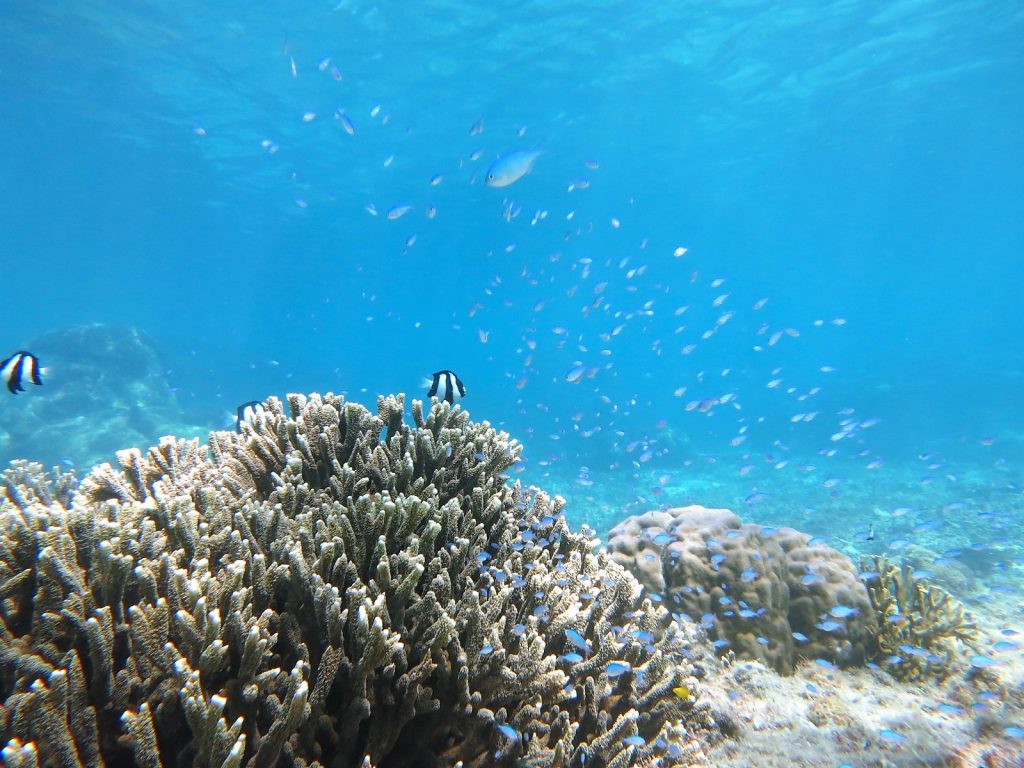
(922, 630)
(330, 588)
(765, 594)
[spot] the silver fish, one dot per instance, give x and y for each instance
(511, 167)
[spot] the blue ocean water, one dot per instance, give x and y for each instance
(769, 257)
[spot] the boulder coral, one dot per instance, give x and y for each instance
(329, 587)
(766, 594)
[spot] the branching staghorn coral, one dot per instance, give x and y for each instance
(333, 589)
(920, 626)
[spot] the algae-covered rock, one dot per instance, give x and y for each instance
(329, 588)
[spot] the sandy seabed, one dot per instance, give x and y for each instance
(864, 718)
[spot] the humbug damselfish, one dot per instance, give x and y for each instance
(18, 368)
(446, 385)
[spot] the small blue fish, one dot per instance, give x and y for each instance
(511, 167)
(575, 373)
(616, 668)
(508, 732)
(346, 122)
(890, 735)
(577, 640)
(398, 211)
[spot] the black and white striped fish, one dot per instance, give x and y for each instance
(248, 412)
(446, 385)
(18, 368)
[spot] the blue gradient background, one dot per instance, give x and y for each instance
(845, 160)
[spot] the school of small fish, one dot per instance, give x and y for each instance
(647, 341)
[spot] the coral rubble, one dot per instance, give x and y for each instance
(330, 588)
(769, 595)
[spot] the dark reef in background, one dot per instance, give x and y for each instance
(106, 390)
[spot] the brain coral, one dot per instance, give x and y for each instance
(330, 588)
(766, 594)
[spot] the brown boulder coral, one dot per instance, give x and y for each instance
(766, 594)
(330, 588)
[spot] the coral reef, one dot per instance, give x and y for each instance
(106, 390)
(922, 628)
(765, 594)
(330, 588)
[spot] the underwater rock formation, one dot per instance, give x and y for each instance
(922, 629)
(107, 390)
(333, 588)
(765, 594)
